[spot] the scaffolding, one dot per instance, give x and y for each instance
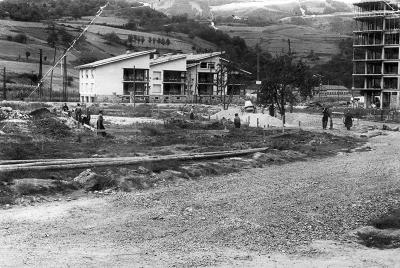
(376, 43)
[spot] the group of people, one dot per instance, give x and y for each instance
(327, 116)
(85, 118)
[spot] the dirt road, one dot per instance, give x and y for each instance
(291, 215)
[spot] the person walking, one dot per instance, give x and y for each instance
(325, 117)
(100, 125)
(236, 121)
(348, 120)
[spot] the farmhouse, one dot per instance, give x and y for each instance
(146, 76)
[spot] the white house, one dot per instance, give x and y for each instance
(146, 76)
(115, 78)
(168, 76)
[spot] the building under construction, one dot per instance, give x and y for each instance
(376, 52)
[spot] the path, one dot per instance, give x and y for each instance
(292, 215)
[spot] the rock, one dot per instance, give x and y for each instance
(90, 181)
(258, 155)
(6, 109)
(143, 170)
(170, 175)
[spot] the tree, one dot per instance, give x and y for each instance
(167, 42)
(130, 39)
(283, 75)
(27, 54)
(149, 40)
(227, 74)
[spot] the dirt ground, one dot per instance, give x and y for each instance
(299, 214)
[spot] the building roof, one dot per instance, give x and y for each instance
(332, 87)
(115, 59)
(241, 70)
(167, 58)
(191, 65)
(198, 57)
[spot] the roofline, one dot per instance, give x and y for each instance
(239, 69)
(115, 59)
(166, 59)
(208, 55)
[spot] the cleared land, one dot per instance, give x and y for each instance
(289, 212)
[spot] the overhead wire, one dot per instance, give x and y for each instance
(99, 12)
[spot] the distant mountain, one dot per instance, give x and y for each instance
(272, 10)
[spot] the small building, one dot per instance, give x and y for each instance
(332, 92)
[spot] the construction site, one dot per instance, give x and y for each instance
(170, 160)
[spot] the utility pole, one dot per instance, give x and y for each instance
(289, 48)
(134, 86)
(40, 73)
(65, 80)
(51, 77)
(4, 84)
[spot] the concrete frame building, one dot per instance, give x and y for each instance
(376, 52)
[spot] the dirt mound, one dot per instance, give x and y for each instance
(52, 127)
(41, 113)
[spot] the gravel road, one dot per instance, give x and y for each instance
(292, 215)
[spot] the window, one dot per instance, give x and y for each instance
(92, 72)
(211, 65)
(156, 89)
(87, 74)
(156, 75)
(81, 73)
(203, 65)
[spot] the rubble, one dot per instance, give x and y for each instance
(90, 181)
(7, 113)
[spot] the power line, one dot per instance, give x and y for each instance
(99, 12)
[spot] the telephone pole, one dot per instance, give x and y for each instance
(4, 84)
(40, 73)
(65, 80)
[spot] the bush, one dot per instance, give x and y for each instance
(20, 38)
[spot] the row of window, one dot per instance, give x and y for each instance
(86, 73)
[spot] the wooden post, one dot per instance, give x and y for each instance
(40, 73)
(4, 84)
(283, 127)
(299, 124)
(257, 122)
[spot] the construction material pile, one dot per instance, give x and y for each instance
(264, 120)
(9, 113)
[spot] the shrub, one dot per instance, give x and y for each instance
(20, 38)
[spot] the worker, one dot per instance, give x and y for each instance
(236, 121)
(78, 113)
(191, 114)
(65, 107)
(348, 120)
(100, 125)
(86, 117)
(325, 116)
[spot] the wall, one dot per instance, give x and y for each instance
(109, 77)
(176, 65)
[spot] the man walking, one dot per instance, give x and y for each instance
(236, 121)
